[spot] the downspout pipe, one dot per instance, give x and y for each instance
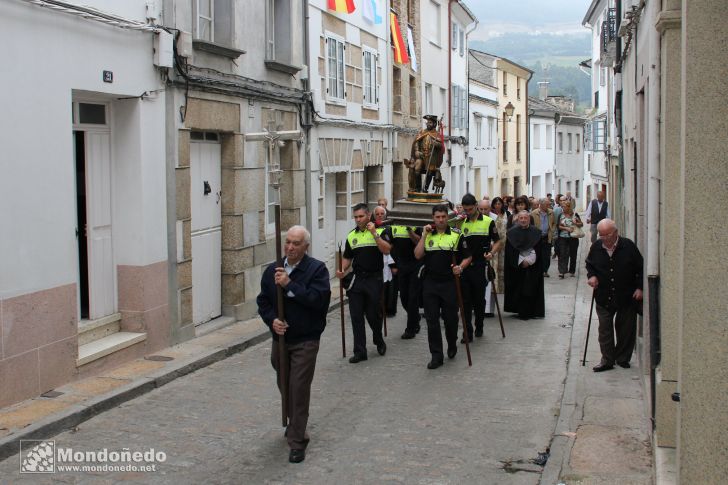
(449, 72)
(528, 139)
(468, 166)
(307, 119)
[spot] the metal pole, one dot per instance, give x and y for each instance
(588, 329)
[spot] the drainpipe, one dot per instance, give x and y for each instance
(653, 200)
(307, 119)
(528, 138)
(468, 166)
(449, 71)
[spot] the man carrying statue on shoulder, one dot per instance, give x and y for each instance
(426, 156)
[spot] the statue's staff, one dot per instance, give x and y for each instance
(459, 293)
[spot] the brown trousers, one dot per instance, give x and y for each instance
(302, 363)
(623, 322)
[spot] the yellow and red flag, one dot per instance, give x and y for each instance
(342, 6)
(400, 48)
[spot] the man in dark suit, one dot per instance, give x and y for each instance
(597, 211)
(614, 268)
(306, 293)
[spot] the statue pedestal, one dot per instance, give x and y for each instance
(415, 213)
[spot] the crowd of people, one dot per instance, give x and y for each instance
(460, 261)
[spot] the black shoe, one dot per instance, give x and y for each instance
(451, 351)
(602, 367)
(479, 332)
(489, 315)
(417, 329)
(297, 456)
(408, 335)
(434, 364)
(382, 348)
(462, 340)
(356, 358)
(546, 275)
(561, 277)
(391, 315)
(624, 365)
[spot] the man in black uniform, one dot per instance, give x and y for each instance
(437, 246)
(404, 240)
(478, 231)
(365, 246)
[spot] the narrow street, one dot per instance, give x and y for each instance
(386, 420)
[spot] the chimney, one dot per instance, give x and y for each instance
(543, 90)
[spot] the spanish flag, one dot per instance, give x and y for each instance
(342, 6)
(400, 48)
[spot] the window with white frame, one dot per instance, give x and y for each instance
(455, 36)
(435, 23)
(463, 107)
(213, 21)
(560, 141)
(578, 143)
(478, 131)
(461, 43)
(429, 108)
(335, 89)
(279, 44)
(549, 137)
(455, 106)
(443, 100)
(371, 96)
(536, 136)
(491, 131)
(571, 142)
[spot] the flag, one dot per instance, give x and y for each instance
(400, 49)
(411, 48)
(370, 12)
(341, 6)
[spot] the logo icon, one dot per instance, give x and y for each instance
(466, 230)
(37, 456)
(354, 241)
(431, 243)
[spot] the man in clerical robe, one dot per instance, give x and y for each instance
(523, 270)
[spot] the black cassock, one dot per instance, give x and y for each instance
(523, 286)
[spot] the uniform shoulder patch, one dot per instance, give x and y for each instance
(455, 230)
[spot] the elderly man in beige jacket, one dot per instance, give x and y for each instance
(543, 218)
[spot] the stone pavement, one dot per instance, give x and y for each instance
(386, 420)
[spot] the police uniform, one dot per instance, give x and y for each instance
(438, 288)
(408, 268)
(365, 291)
(479, 234)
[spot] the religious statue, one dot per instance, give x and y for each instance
(426, 158)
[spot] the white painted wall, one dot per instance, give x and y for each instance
(570, 163)
(47, 57)
(543, 155)
(484, 154)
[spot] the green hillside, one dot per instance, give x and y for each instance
(554, 58)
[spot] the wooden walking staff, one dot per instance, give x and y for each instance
(588, 329)
(491, 280)
(339, 264)
(459, 293)
(282, 352)
(383, 305)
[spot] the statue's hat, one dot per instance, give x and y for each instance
(432, 118)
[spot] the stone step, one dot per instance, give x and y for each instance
(107, 345)
(90, 330)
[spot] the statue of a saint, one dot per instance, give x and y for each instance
(426, 156)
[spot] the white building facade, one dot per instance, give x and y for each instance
(542, 116)
(483, 114)
(83, 257)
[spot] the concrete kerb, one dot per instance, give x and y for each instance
(570, 412)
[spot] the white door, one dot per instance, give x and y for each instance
(205, 194)
(101, 280)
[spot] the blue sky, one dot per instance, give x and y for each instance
(496, 17)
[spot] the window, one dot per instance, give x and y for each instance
(455, 106)
(576, 189)
(396, 89)
(570, 141)
(413, 95)
(89, 114)
(602, 76)
(478, 131)
(443, 100)
(461, 43)
(454, 36)
(429, 109)
(596, 99)
(505, 84)
(549, 137)
(491, 125)
(518, 127)
(435, 23)
(518, 88)
(598, 135)
(371, 96)
(578, 143)
(335, 74)
(279, 44)
(463, 107)
(536, 136)
(560, 138)
(213, 21)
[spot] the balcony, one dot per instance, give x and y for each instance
(609, 38)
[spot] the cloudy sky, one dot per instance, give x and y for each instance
(496, 17)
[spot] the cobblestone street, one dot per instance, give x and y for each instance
(386, 420)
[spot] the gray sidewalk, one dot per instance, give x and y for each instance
(603, 432)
